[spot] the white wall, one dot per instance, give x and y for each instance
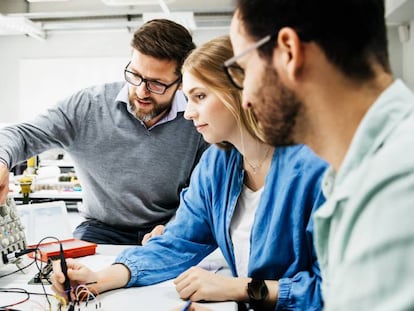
(15, 50)
(395, 52)
(70, 45)
(408, 58)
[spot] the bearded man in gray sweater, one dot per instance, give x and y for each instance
(132, 148)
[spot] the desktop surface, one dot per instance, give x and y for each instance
(162, 296)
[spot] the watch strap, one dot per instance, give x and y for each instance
(257, 292)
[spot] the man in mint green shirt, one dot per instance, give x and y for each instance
(365, 231)
(317, 72)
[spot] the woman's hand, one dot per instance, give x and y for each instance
(112, 277)
(77, 274)
(158, 230)
(198, 284)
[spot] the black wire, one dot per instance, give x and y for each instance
(20, 269)
(41, 263)
(16, 291)
(22, 290)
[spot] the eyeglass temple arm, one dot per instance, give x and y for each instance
(232, 60)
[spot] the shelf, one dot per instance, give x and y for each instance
(59, 163)
(399, 11)
(51, 194)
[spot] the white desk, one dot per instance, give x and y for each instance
(157, 297)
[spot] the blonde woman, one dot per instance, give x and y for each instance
(252, 201)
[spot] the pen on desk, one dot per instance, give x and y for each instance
(187, 306)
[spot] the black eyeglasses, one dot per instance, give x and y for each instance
(152, 85)
(234, 72)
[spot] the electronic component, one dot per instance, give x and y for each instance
(12, 236)
(71, 248)
(11, 257)
(42, 277)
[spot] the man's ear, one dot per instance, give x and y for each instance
(288, 55)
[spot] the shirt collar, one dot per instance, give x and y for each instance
(178, 105)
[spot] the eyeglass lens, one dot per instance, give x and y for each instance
(152, 86)
(236, 74)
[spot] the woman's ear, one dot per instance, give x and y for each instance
(288, 54)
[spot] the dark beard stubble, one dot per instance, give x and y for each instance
(277, 109)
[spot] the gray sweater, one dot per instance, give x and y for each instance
(131, 176)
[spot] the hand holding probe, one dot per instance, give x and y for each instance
(66, 284)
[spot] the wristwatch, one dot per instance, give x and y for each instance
(257, 292)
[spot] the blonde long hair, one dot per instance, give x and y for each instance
(205, 63)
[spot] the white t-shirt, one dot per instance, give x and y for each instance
(241, 227)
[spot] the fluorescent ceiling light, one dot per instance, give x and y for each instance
(132, 2)
(21, 25)
(183, 18)
(47, 0)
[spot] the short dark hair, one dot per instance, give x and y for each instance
(352, 33)
(164, 39)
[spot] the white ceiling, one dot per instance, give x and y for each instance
(77, 15)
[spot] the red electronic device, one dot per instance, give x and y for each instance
(72, 248)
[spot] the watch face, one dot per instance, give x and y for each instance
(257, 291)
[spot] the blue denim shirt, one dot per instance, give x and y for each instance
(281, 238)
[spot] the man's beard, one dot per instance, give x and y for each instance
(276, 109)
(158, 108)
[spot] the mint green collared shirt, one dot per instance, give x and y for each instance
(364, 233)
